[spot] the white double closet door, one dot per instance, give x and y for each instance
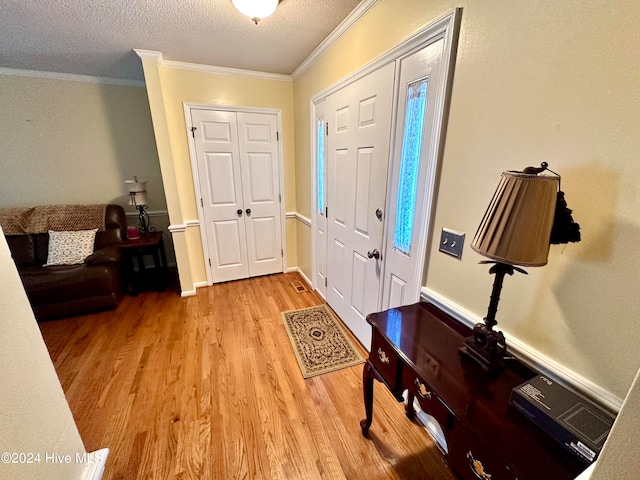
(370, 248)
(239, 185)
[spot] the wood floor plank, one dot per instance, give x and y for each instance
(208, 387)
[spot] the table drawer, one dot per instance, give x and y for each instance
(472, 460)
(386, 361)
(429, 401)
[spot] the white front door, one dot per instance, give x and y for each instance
(359, 117)
(239, 185)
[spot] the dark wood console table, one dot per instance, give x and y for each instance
(416, 348)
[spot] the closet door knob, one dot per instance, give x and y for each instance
(239, 212)
(248, 212)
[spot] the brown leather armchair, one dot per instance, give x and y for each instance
(66, 290)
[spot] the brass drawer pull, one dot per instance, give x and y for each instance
(422, 389)
(383, 356)
(477, 468)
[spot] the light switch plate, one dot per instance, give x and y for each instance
(451, 242)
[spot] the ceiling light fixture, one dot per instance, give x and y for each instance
(256, 10)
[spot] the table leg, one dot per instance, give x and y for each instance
(165, 268)
(409, 410)
(158, 271)
(368, 374)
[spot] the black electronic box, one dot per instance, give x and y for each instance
(570, 418)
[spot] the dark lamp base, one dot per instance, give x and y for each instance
(486, 347)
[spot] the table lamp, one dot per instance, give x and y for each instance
(516, 230)
(138, 198)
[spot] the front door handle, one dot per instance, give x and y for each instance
(239, 212)
(248, 212)
(374, 254)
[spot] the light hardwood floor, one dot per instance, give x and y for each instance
(207, 387)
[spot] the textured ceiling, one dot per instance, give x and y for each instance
(96, 37)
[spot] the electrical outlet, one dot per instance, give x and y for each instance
(451, 243)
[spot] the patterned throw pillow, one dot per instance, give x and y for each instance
(70, 248)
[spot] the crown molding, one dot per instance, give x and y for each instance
(340, 30)
(199, 67)
(71, 77)
(344, 26)
(151, 54)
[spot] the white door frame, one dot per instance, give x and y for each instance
(445, 28)
(188, 106)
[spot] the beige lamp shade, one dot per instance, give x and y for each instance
(137, 191)
(516, 227)
(138, 198)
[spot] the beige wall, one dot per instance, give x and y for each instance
(168, 89)
(382, 28)
(70, 141)
(67, 141)
(34, 413)
(619, 457)
(544, 81)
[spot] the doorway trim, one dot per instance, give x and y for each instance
(187, 107)
(446, 28)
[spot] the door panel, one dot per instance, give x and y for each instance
(359, 118)
(396, 292)
(218, 159)
(264, 238)
(228, 241)
(341, 187)
(260, 182)
(221, 179)
(358, 281)
(363, 184)
(261, 187)
(338, 258)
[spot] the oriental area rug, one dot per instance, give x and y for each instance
(319, 341)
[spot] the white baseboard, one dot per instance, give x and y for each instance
(304, 277)
(530, 356)
(95, 467)
(192, 293)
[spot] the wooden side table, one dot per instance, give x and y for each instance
(156, 276)
(415, 347)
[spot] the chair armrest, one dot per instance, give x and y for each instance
(108, 254)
